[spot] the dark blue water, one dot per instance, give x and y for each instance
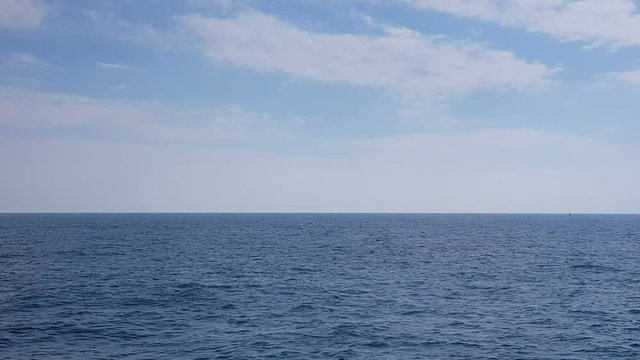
(319, 286)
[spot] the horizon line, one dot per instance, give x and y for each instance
(308, 213)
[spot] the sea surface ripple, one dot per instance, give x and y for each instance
(303, 286)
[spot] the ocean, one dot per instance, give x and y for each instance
(319, 286)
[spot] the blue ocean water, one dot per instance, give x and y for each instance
(207, 286)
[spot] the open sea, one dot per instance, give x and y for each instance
(313, 286)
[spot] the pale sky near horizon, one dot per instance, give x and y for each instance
(320, 106)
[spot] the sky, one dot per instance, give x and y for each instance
(320, 106)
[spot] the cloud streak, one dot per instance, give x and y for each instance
(132, 121)
(400, 59)
(114, 66)
(631, 77)
(612, 23)
(23, 60)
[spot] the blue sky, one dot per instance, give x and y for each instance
(327, 106)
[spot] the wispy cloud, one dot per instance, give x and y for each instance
(114, 66)
(631, 77)
(612, 23)
(25, 60)
(134, 121)
(23, 14)
(422, 71)
(400, 59)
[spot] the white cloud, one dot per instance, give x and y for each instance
(22, 14)
(114, 66)
(614, 23)
(400, 59)
(24, 60)
(631, 77)
(133, 121)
